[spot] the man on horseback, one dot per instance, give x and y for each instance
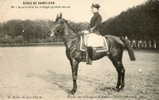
(95, 23)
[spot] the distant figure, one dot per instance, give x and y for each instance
(154, 44)
(145, 44)
(150, 43)
(134, 45)
(139, 44)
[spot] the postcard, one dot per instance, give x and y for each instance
(79, 49)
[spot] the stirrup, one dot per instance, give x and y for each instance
(89, 62)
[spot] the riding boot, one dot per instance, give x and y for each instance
(108, 52)
(88, 58)
(89, 61)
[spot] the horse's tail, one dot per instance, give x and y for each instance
(129, 48)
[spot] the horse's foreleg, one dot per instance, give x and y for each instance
(74, 67)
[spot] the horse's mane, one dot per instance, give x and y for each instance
(76, 35)
(70, 26)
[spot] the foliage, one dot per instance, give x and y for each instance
(24, 31)
(140, 22)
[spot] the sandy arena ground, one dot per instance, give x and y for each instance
(44, 73)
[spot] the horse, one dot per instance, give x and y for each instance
(72, 40)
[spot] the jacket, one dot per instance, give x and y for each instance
(96, 21)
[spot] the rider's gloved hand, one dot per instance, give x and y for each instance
(85, 31)
(92, 29)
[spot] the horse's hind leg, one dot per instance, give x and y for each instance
(74, 67)
(117, 62)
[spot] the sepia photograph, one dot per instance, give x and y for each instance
(82, 50)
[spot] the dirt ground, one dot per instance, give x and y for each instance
(44, 73)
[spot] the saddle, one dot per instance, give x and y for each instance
(96, 41)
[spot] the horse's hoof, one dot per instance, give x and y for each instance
(121, 88)
(117, 89)
(72, 91)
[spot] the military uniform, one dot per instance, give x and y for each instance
(96, 21)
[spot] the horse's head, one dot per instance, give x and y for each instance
(59, 27)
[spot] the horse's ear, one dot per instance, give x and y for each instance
(60, 15)
(57, 17)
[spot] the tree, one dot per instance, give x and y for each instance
(140, 22)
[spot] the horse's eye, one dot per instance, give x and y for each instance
(58, 31)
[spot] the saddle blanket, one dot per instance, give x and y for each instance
(95, 41)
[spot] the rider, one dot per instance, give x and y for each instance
(95, 23)
(96, 19)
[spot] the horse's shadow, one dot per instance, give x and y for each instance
(60, 80)
(64, 81)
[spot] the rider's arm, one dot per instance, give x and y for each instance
(97, 22)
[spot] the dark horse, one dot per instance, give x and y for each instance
(75, 55)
